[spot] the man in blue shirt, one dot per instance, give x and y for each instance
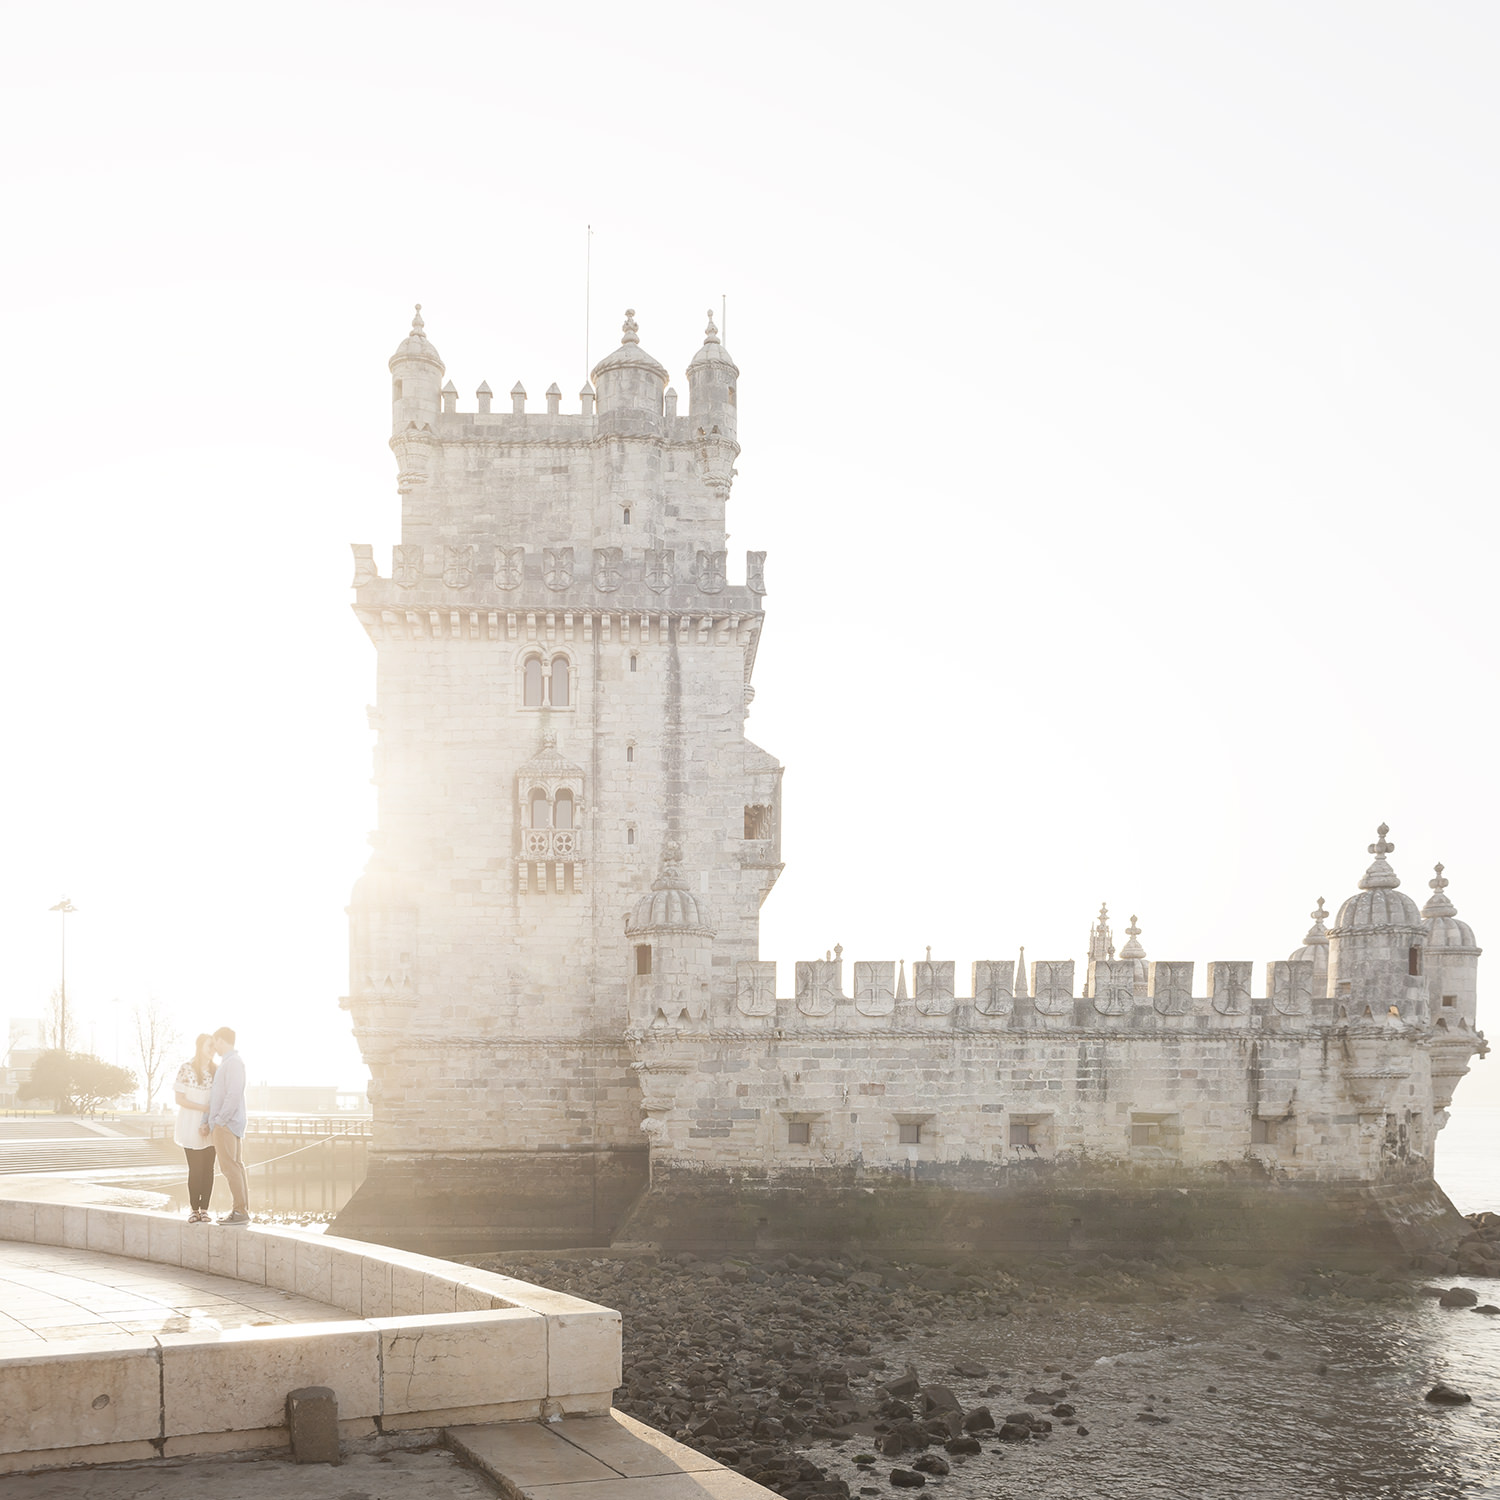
(226, 1123)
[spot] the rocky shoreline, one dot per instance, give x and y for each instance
(797, 1372)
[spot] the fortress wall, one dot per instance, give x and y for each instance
(1143, 1101)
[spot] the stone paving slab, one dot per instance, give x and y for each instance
(50, 1295)
(427, 1474)
(612, 1457)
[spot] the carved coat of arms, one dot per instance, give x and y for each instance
(1229, 984)
(1172, 988)
(994, 979)
(755, 572)
(1291, 987)
(508, 564)
(874, 988)
(609, 568)
(818, 989)
(932, 986)
(713, 571)
(406, 564)
(658, 569)
(1114, 986)
(458, 566)
(557, 567)
(1054, 986)
(757, 988)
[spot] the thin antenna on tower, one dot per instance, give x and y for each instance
(724, 318)
(588, 277)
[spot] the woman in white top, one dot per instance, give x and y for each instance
(194, 1079)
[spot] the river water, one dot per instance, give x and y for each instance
(1337, 1412)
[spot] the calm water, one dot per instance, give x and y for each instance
(1338, 1414)
(1468, 1159)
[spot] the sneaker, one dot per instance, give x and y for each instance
(235, 1217)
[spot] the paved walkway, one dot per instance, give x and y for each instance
(597, 1458)
(49, 1294)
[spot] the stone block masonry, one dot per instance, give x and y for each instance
(554, 952)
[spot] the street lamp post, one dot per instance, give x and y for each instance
(65, 907)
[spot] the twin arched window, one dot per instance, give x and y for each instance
(555, 814)
(538, 679)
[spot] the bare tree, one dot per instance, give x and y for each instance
(53, 1022)
(155, 1036)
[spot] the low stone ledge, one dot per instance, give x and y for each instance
(430, 1343)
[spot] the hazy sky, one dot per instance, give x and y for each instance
(1118, 409)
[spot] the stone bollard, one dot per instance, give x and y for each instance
(312, 1418)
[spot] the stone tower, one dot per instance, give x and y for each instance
(574, 835)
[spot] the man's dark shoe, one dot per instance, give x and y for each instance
(236, 1217)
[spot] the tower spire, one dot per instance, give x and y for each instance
(1439, 904)
(1101, 939)
(1380, 876)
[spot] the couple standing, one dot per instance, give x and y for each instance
(210, 1089)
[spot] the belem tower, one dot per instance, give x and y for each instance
(555, 975)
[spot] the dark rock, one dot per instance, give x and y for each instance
(905, 1479)
(1487, 1308)
(1448, 1395)
(1081, 1430)
(1151, 1416)
(930, 1463)
(1063, 1410)
(963, 1445)
(1458, 1296)
(1270, 1354)
(970, 1371)
(908, 1384)
(979, 1420)
(1015, 1432)
(939, 1398)
(891, 1445)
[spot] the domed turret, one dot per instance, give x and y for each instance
(416, 378)
(629, 383)
(670, 906)
(1314, 950)
(1452, 958)
(672, 935)
(1375, 945)
(416, 400)
(713, 383)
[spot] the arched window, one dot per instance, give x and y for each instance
(630, 839)
(560, 682)
(627, 515)
(532, 697)
(562, 812)
(539, 811)
(629, 755)
(633, 660)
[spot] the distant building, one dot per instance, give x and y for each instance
(26, 1042)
